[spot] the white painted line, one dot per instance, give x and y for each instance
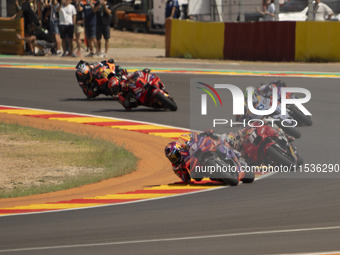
(176, 239)
(314, 253)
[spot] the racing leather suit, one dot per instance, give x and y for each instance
(101, 74)
(134, 86)
(179, 168)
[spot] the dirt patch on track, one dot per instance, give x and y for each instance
(152, 169)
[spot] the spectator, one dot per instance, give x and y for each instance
(25, 10)
(18, 4)
(172, 9)
(54, 23)
(268, 10)
(103, 26)
(34, 6)
(45, 19)
(321, 11)
(26, 7)
(40, 38)
(79, 26)
(67, 19)
(90, 25)
(185, 5)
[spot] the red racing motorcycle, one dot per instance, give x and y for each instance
(266, 145)
(145, 88)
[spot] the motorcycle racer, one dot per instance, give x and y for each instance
(261, 97)
(97, 78)
(178, 154)
(133, 86)
(235, 139)
(266, 90)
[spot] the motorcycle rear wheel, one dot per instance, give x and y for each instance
(292, 131)
(166, 102)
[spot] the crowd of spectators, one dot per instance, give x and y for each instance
(58, 24)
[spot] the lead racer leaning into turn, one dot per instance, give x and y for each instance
(178, 154)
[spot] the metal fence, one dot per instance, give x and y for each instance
(250, 10)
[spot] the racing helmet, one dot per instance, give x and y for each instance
(173, 152)
(114, 85)
(84, 72)
(268, 92)
(231, 139)
(253, 95)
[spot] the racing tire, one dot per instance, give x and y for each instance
(227, 178)
(198, 179)
(279, 159)
(300, 117)
(249, 177)
(166, 102)
(292, 131)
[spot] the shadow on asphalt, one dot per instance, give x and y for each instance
(133, 110)
(87, 100)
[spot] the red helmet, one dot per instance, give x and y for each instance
(173, 152)
(114, 85)
(84, 72)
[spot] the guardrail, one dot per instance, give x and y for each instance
(9, 42)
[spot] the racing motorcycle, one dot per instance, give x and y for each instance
(296, 113)
(266, 145)
(209, 152)
(285, 122)
(293, 111)
(101, 72)
(145, 88)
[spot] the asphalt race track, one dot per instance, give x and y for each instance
(283, 214)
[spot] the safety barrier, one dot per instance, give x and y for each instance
(196, 39)
(317, 41)
(256, 41)
(9, 42)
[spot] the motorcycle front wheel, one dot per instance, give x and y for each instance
(300, 117)
(166, 102)
(274, 154)
(229, 178)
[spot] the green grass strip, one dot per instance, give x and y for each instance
(57, 150)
